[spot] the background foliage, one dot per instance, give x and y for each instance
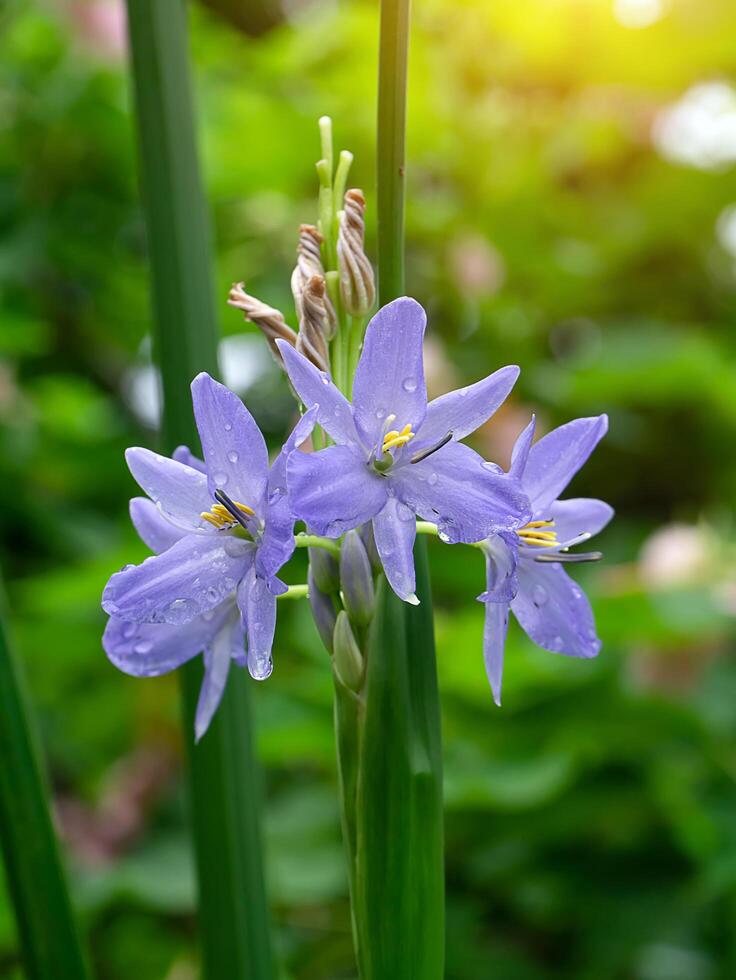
(571, 209)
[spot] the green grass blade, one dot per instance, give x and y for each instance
(233, 913)
(49, 942)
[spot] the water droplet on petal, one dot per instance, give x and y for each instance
(380, 413)
(556, 643)
(325, 379)
(219, 479)
(260, 668)
(129, 630)
(409, 384)
(212, 594)
(432, 479)
(127, 567)
(143, 647)
(492, 467)
(404, 513)
(539, 595)
(232, 456)
(228, 427)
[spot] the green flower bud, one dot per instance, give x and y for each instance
(347, 658)
(356, 579)
(325, 569)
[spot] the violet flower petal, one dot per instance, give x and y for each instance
(277, 542)
(234, 449)
(225, 646)
(554, 611)
(152, 527)
(578, 515)
(456, 490)
(494, 641)
(556, 458)
(183, 454)
(521, 450)
(314, 387)
(502, 558)
(180, 492)
(191, 577)
(334, 490)
(258, 612)
(463, 411)
(394, 530)
(389, 379)
(149, 650)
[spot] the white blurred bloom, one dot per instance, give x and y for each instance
(638, 13)
(676, 554)
(699, 129)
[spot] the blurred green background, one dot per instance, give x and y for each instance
(572, 209)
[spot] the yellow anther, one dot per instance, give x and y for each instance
(220, 517)
(394, 438)
(531, 535)
(391, 435)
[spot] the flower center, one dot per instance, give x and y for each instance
(393, 438)
(221, 516)
(538, 534)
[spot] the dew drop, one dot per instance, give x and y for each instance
(127, 568)
(539, 595)
(208, 615)
(232, 456)
(212, 594)
(219, 479)
(404, 513)
(260, 668)
(492, 467)
(129, 630)
(143, 647)
(555, 643)
(380, 413)
(409, 384)
(325, 379)
(432, 479)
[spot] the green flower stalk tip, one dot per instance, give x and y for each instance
(347, 658)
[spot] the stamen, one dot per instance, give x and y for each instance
(570, 558)
(394, 438)
(531, 535)
(227, 512)
(424, 453)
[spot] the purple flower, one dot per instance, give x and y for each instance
(222, 529)
(396, 456)
(524, 568)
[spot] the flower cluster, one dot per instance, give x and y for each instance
(223, 527)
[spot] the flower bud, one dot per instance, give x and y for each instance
(311, 340)
(356, 579)
(270, 320)
(357, 281)
(323, 611)
(347, 658)
(324, 569)
(308, 265)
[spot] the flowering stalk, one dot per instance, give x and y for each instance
(36, 882)
(224, 782)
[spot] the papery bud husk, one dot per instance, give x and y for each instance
(347, 658)
(357, 279)
(325, 569)
(323, 611)
(356, 579)
(311, 340)
(309, 264)
(270, 320)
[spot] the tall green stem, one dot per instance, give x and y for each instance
(389, 746)
(36, 880)
(224, 781)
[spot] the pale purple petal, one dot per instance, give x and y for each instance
(314, 387)
(151, 649)
(494, 641)
(179, 491)
(554, 611)
(183, 454)
(152, 527)
(463, 411)
(395, 529)
(578, 515)
(502, 555)
(258, 610)
(234, 449)
(334, 490)
(389, 379)
(227, 644)
(456, 490)
(277, 543)
(556, 458)
(189, 579)
(522, 447)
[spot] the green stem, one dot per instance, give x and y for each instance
(315, 541)
(426, 527)
(48, 937)
(389, 748)
(295, 592)
(223, 774)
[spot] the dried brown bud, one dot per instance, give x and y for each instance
(309, 264)
(270, 320)
(357, 281)
(311, 341)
